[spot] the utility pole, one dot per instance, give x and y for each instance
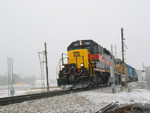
(116, 51)
(112, 50)
(144, 77)
(43, 60)
(112, 74)
(122, 43)
(46, 66)
(124, 77)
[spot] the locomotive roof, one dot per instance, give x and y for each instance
(84, 43)
(87, 43)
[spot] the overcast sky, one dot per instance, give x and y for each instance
(26, 24)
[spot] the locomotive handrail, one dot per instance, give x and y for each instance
(58, 68)
(91, 68)
(62, 59)
(73, 70)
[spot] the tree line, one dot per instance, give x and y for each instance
(17, 79)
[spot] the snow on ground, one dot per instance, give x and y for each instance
(83, 102)
(24, 89)
(136, 96)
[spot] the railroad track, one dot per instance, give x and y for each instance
(22, 98)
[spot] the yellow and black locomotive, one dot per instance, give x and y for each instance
(87, 63)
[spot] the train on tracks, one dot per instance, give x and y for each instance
(88, 64)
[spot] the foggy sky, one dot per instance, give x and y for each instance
(26, 24)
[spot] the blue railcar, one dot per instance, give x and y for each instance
(131, 71)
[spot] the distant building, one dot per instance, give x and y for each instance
(21, 84)
(139, 75)
(147, 69)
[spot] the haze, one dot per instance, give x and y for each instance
(26, 24)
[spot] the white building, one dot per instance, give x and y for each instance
(147, 69)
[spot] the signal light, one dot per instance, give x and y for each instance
(78, 70)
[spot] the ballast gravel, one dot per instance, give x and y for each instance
(72, 103)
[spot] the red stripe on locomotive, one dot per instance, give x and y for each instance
(98, 57)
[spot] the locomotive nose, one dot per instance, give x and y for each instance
(79, 57)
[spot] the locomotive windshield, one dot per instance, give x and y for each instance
(90, 45)
(81, 47)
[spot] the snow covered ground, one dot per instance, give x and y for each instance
(24, 89)
(83, 102)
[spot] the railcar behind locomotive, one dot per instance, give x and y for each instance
(132, 75)
(129, 71)
(87, 64)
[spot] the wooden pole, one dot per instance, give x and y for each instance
(123, 53)
(122, 41)
(46, 66)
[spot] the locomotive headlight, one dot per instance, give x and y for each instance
(63, 66)
(82, 65)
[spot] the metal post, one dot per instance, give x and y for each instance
(62, 58)
(112, 50)
(11, 90)
(46, 66)
(42, 61)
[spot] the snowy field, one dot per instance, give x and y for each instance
(83, 102)
(25, 89)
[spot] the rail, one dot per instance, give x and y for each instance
(22, 98)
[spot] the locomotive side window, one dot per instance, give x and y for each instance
(88, 48)
(95, 49)
(99, 49)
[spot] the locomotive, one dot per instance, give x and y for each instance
(86, 64)
(129, 71)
